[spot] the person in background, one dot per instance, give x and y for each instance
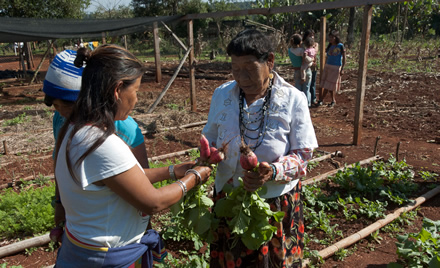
(314, 67)
(333, 69)
(106, 194)
(273, 119)
(309, 58)
(296, 54)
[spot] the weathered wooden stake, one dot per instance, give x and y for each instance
(375, 145)
(5, 147)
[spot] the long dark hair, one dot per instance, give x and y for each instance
(106, 67)
(251, 42)
(334, 33)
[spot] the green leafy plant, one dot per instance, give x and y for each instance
(421, 249)
(428, 176)
(249, 215)
(5, 265)
(26, 213)
(343, 253)
(29, 251)
(312, 165)
(16, 120)
(359, 180)
(173, 106)
(194, 213)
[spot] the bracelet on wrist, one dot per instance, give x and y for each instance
(182, 186)
(171, 172)
(274, 172)
(196, 173)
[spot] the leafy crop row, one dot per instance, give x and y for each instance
(358, 194)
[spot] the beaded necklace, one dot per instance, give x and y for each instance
(261, 114)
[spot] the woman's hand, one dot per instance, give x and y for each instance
(205, 172)
(253, 180)
(60, 214)
(180, 169)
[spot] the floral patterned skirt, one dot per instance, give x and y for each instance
(285, 249)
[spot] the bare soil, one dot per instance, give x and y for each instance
(401, 117)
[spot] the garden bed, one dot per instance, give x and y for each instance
(401, 117)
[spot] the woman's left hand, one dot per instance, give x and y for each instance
(255, 179)
(180, 169)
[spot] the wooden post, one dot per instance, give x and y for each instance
(175, 36)
(322, 48)
(5, 147)
(157, 52)
(150, 110)
(103, 38)
(192, 77)
(362, 74)
(125, 42)
(41, 63)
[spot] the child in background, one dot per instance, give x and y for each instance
(308, 57)
(296, 54)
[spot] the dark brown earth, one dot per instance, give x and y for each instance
(403, 109)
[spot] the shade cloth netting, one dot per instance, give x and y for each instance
(29, 29)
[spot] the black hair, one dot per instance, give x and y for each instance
(251, 42)
(307, 33)
(334, 33)
(296, 39)
(48, 100)
(309, 42)
(106, 67)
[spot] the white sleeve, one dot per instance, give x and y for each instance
(113, 157)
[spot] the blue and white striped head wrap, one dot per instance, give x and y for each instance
(63, 78)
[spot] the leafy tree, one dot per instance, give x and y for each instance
(113, 12)
(151, 8)
(53, 9)
(412, 17)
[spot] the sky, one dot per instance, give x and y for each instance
(107, 3)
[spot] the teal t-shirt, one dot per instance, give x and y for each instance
(127, 129)
(295, 55)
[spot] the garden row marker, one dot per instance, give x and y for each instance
(22, 245)
(5, 148)
(375, 145)
(196, 124)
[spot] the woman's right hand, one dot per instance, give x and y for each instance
(204, 171)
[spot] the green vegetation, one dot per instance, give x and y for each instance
(420, 249)
(5, 265)
(20, 119)
(26, 213)
(358, 194)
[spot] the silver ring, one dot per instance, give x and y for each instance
(196, 173)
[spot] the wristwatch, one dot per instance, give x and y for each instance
(171, 171)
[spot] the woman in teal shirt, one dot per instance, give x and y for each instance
(296, 52)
